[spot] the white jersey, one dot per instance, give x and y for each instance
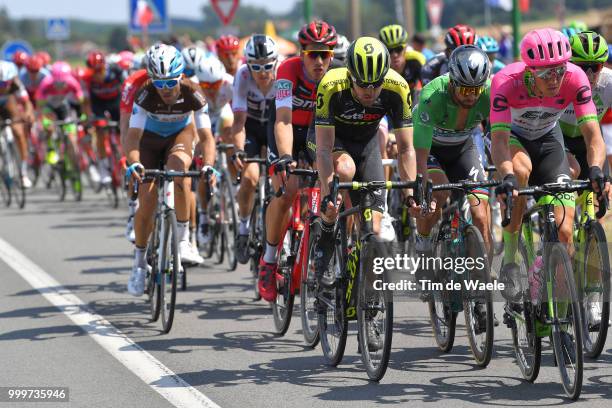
(248, 98)
(224, 97)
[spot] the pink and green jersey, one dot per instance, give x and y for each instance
(514, 108)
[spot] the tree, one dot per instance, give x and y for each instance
(28, 29)
(117, 39)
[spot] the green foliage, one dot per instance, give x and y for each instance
(117, 39)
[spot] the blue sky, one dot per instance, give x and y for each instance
(116, 10)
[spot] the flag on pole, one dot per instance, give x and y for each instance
(502, 4)
(144, 13)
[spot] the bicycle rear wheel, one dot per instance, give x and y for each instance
(255, 245)
(567, 320)
(479, 337)
(73, 172)
(308, 294)
(170, 264)
(18, 190)
(595, 290)
(282, 307)
(374, 318)
(230, 225)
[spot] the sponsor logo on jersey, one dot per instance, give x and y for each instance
(361, 116)
(299, 103)
(538, 115)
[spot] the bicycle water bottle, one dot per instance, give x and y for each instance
(535, 279)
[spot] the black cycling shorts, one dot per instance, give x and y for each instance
(577, 147)
(256, 137)
(299, 141)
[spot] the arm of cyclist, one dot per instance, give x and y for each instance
(424, 117)
(596, 154)
(132, 140)
(283, 131)
(238, 136)
(325, 136)
(205, 135)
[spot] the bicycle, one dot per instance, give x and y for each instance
(455, 237)
(114, 153)
(554, 308)
(592, 273)
(67, 169)
(221, 209)
(11, 185)
(163, 249)
(403, 224)
(347, 275)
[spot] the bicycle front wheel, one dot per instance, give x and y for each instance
(567, 319)
(282, 307)
(17, 188)
(443, 319)
(154, 280)
(170, 264)
(308, 294)
(230, 225)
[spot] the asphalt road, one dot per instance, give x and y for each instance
(221, 343)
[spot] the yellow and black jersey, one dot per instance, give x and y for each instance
(336, 106)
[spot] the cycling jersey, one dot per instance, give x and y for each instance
(602, 97)
(15, 88)
(107, 89)
(223, 97)
(336, 106)
(435, 67)
(248, 98)
(154, 116)
(412, 70)
(295, 91)
(514, 108)
(131, 86)
(31, 83)
(55, 96)
(436, 115)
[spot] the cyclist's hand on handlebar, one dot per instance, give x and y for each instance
(281, 165)
(509, 186)
(237, 158)
(135, 171)
(211, 173)
(330, 209)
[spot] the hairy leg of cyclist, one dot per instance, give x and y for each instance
(383, 138)
(14, 111)
(103, 161)
(143, 225)
(574, 165)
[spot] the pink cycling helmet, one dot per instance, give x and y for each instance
(60, 70)
(544, 47)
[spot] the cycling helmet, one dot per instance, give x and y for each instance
(60, 70)
(569, 31)
(460, 34)
(579, 26)
(260, 47)
(210, 70)
(34, 63)
(393, 36)
(341, 47)
(96, 60)
(192, 55)
(127, 60)
(545, 46)
(8, 71)
(609, 53)
(588, 46)
(20, 58)
(368, 61)
(164, 62)
(317, 32)
(227, 43)
(488, 44)
(45, 57)
(469, 65)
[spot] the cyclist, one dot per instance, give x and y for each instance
(45, 57)
(340, 49)
(450, 108)
(528, 98)
(217, 86)
(407, 62)
(32, 74)
(228, 47)
(460, 34)
(102, 89)
(12, 95)
(192, 56)
(569, 31)
(20, 58)
(578, 25)
(253, 97)
(162, 129)
(489, 45)
(295, 85)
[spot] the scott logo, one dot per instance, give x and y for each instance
(362, 116)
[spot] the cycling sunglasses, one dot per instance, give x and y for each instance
(314, 54)
(594, 67)
(396, 50)
(165, 83)
(189, 72)
(262, 67)
(367, 85)
(211, 85)
(547, 73)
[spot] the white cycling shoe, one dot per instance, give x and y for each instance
(136, 283)
(189, 254)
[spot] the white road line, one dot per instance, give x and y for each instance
(150, 370)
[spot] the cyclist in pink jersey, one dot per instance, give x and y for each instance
(527, 100)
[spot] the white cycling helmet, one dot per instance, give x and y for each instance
(164, 62)
(341, 47)
(210, 70)
(8, 71)
(260, 47)
(192, 55)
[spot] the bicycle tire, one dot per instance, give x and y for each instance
(282, 307)
(597, 236)
(17, 187)
(153, 283)
(5, 188)
(482, 348)
(74, 174)
(370, 301)
(170, 263)
(553, 252)
(255, 247)
(230, 225)
(308, 295)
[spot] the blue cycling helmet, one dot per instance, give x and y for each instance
(164, 62)
(609, 53)
(569, 31)
(488, 44)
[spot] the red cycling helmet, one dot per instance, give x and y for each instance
(460, 34)
(45, 57)
(34, 63)
(96, 60)
(20, 58)
(227, 43)
(318, 32)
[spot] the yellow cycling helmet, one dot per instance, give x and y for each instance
(367, 60)
(393, 36)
